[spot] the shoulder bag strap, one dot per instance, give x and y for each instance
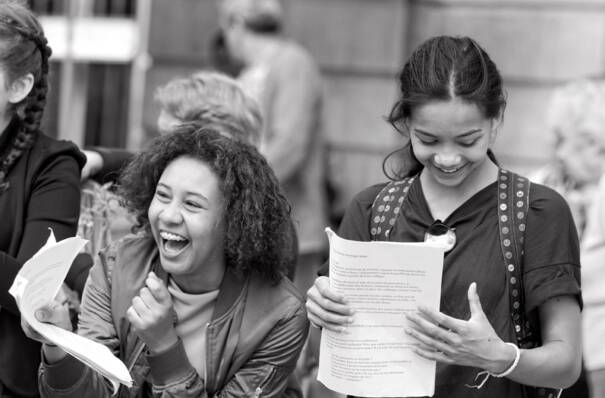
(387, 208)
(513, 206)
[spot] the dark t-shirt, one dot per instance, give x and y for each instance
(551, 264)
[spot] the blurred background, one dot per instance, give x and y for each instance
(109, 55)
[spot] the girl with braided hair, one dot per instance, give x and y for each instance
(39, 183)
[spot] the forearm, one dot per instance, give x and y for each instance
(71, 378)
(173, 375)
(554, 364)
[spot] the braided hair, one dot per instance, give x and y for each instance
(23, 49)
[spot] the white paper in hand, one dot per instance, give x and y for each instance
(37, 284)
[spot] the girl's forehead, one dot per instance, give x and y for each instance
(447, 111)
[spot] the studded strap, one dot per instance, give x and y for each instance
(513, 206)
(387, 208)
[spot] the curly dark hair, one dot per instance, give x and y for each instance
(258, 233)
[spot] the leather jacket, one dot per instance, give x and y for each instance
(253, 340)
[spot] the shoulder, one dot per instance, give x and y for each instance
(546, 200)
(366, 197)
(47, 148)
(128, 255)
(282, 298)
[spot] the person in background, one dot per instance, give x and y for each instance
(286, 82)
(39, 183)
(576, 120)
(205, 97)
(449, 112)
(197, 303)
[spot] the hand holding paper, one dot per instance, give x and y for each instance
(36, 287)
(382, 281)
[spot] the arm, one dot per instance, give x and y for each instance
(475, 343)
(54, 203)
(266, 372)
(326, 308)
(292, 122)
(65, 376)
(104, 164)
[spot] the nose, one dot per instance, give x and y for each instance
(171, 213)
(447, 159)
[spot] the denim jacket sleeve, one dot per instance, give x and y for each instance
(70, 377)
(265, 374)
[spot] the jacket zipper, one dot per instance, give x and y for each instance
(263, 384)
(138, 350)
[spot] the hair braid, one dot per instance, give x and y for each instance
(19, 21)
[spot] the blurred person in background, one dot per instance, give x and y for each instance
(576, 118)
(197, 302)
(207, 97)
(39, 183)
(285, 80)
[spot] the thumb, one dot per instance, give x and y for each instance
(44, 314)
(473, 300)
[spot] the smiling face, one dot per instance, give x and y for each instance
(186, 220)
(450, 139)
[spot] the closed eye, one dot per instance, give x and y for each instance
(469, 143)
(193, 205)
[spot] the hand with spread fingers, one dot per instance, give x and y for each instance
(454, 341)
(326, 308)
(152, 315)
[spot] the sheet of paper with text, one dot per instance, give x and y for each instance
(36, 285)
(382, 282)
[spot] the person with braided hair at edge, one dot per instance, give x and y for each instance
(509, 319)
(39, 183)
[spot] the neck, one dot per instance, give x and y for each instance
(5, 120)
(260, 48)
(443, 200)
(203, 281)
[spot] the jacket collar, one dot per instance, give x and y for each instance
(230, 289)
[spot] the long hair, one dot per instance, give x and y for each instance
(258, 237)
(23, 50)
(440, 69)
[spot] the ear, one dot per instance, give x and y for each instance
(496, 123)
(20, 88)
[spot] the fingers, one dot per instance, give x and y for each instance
(322, 286)
(158, 289)
(55, 313)
(439, 318)
(425, 328)
(473, 301)
(325, 308)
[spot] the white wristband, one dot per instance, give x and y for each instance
(512, 367)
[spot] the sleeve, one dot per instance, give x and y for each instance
(113, 161)
(593, 251)
(551, 265)
(265, 374)
(54, 203)
(293, 119)
(269, 369)
(70, 377)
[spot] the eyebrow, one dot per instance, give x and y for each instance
(187, 192)
(463, 135)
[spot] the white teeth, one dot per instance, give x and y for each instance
(171, 236)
